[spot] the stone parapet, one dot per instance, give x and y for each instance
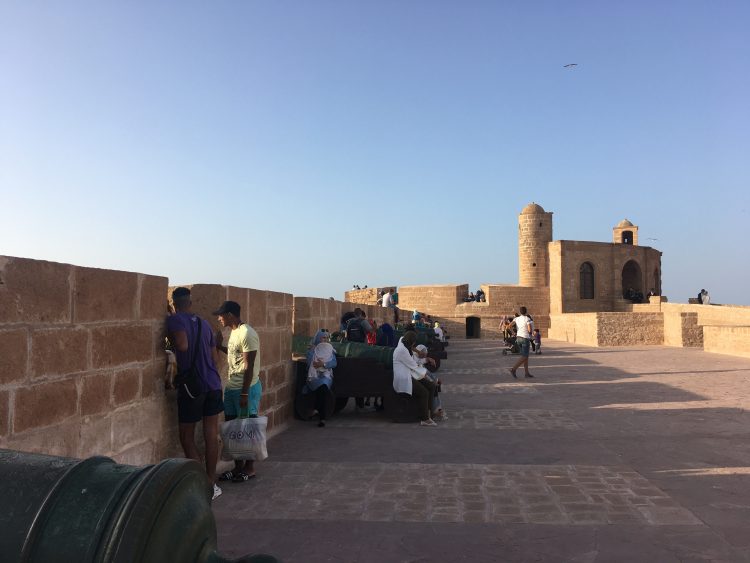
(732, 340)
(81, 348)
(608, 329)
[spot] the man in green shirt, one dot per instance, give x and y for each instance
(243, 389)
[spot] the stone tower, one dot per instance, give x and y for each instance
(534, 233)
(625, 233)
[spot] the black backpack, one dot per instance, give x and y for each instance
(354, 330)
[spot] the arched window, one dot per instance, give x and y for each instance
(587, 280)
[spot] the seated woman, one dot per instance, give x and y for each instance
(321, 360)
(420, 355)
(411, 378)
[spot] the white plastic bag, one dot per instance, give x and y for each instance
(245, 438)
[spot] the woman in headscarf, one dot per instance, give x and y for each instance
(410, 378)
(321, 359)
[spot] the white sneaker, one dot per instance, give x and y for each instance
(217, 492)
(428, 422)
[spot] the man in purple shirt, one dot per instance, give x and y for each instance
(183, 332)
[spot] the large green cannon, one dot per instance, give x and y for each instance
(97, 511)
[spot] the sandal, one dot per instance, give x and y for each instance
(241, 477)
(226, 476)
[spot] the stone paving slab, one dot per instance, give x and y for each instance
(412, 492)
(485, 388)
(476, 419)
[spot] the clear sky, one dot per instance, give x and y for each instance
(306, 146)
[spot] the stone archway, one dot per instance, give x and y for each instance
(473, 327)
(632, 277)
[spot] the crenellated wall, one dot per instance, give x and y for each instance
(82, 362)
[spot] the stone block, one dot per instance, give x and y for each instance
(104, 295)
(138, 454)
(238, 294)
(277, 318)
(302, 307)
(59, 351)
(136, 423)
(153, 297)
(96, 436)
(122, 344)
(34, 291)
(13, 355)
(257, 308)
(152, 378)
(62, 440)
(96, 394)
(276, 299)
(206, 298)
(270, 346)
(4, 412)
(127, 386)
(44, 404)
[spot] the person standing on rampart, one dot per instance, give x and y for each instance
(200, 398)
(243, 389)
(524, 327)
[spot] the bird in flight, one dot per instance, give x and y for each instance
(570, 65)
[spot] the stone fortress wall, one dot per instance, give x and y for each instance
(82, 358)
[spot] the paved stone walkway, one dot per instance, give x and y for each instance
(620, 454)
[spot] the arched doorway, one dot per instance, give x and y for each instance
(473, 327)
(627, 237)
(632, 277)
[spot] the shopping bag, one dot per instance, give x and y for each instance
(245, 438)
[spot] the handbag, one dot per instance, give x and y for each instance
(189, 380)
(245, 438)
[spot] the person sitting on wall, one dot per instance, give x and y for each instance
(705, 298)
(321, 359)
(469, 298)
(410, 378)
(479, 296)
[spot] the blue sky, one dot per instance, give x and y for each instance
(307, 146)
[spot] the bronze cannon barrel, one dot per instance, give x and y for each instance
(95, 510)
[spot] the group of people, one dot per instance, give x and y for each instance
(195, 349)
(477, 296)
(704, 298)
(411, 376)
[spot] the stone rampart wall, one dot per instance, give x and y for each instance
(444, 303)
(630, 329)
(732, 340)
(608, 329)
(82, 362)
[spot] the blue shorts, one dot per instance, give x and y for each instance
(232, 401)
(523, 347)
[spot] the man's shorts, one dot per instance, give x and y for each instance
(232, 401)
(193, 410)
(523, 346)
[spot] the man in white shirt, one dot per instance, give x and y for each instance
(524, 330)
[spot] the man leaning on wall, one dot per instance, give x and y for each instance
(193, 342)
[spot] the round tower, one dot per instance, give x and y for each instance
(534, 233)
